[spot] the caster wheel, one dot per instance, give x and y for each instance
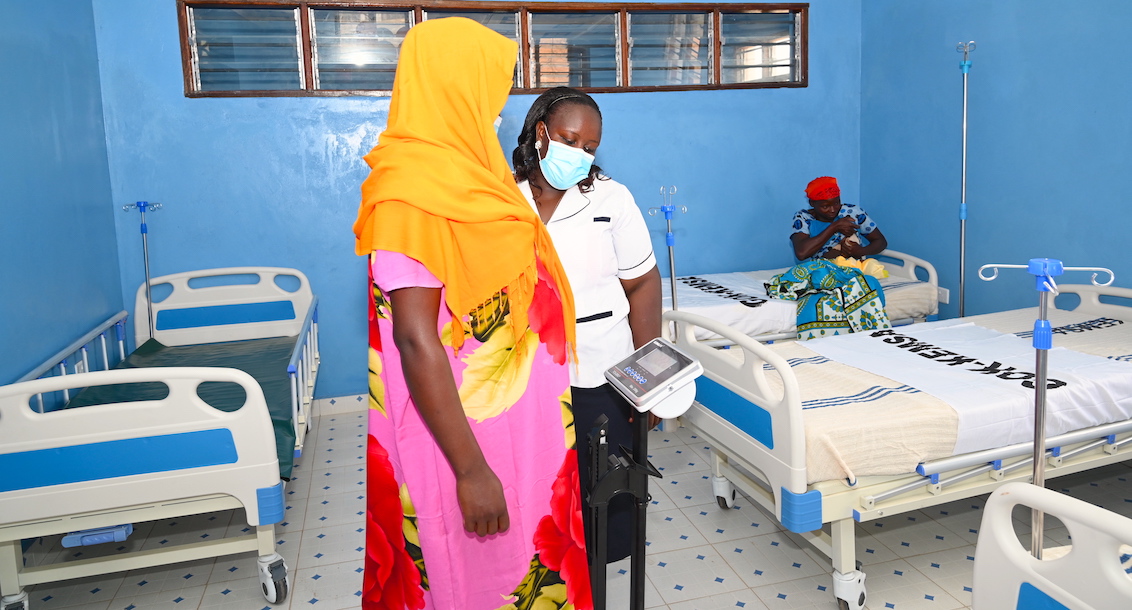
(278, 592)
(15, 602)
(726, 503)
(273, 579)
(724, 492)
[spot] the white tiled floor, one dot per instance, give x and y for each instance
(699, 556)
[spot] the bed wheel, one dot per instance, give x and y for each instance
(15, 602)
(724, 492)
(273, 578)
(726, 503)
(849, 590)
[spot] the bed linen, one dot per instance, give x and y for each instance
(740, 300)
(859, 423)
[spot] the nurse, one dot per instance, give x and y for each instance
(606, 250)
(830, 228)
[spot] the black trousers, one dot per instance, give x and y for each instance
(589, 403)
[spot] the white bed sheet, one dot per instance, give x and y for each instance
(740, 301)
(886, 427)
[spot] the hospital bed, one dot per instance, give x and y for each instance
(96, 439)
(1092, 574)
(740, 300)
(821, 470)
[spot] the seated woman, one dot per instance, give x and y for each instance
(830, 228)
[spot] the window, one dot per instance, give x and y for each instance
(350, 47)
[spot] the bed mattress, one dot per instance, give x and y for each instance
(859, 423)
(740, 301)
(264, 359)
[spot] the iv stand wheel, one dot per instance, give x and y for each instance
(724, 492)
(15, 602)
(849, 590)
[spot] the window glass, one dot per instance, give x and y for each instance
(501, 22)
(669, 49)
(357, 50)
(757, 47)
(574, 49)
(246, 49)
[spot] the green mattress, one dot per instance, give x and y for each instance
(264, 359)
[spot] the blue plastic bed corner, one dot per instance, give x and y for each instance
(801, 513)
(270, 503)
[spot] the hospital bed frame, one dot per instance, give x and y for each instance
(92, 468)
(770, 465)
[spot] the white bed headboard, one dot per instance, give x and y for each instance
(904, 265)
(230, 312)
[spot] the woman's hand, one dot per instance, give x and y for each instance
(482, 503)
(844, 226)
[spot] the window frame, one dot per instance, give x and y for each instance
(419, 7)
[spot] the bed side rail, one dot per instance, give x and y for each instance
(303, 371)
(99, 350)
(905, 265)
(1091, 299)
(785, 463)
(111, 455)
(197, 312)
(1089, 576)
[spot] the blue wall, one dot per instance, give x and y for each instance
(276, 181)
(1050, 127)
(58, 263)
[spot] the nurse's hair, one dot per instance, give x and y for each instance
(525, 157)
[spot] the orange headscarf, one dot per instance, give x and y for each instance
(440, 190)
(823, 188)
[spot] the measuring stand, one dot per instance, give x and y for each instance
(660, 379)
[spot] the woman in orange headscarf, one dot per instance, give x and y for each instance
(473, 497)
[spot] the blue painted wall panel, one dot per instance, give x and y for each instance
(58, 261)
(276, 181)
(1049, 127)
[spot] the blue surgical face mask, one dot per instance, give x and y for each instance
(497, 123)
(564, 166)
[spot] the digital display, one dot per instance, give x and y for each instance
(656, 362)
(649, 368)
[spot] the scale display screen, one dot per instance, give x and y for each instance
(654, 366)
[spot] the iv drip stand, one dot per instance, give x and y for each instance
(1043, 270)
(666, 194)
(965, 48)
(153, 207)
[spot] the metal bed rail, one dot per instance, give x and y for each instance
(993, 462)
(302, 371)
(78, 358)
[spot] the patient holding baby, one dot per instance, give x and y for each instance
(830, 228)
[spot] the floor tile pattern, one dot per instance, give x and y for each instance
(699, 557)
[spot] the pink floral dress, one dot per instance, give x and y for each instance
(518, 405)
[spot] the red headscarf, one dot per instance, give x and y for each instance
(820, 189)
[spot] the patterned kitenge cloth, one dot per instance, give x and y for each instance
(832, 300)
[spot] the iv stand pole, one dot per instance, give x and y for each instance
(670, 240)
(965, 66)
(142, 205)
(1043, 270)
